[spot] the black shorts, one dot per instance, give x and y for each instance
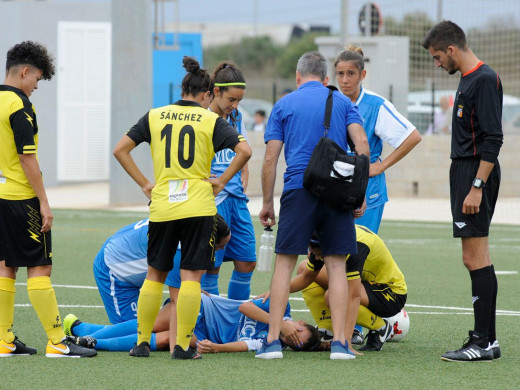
(197, 238)
(382, 301)
(22, 243)
(462, 173)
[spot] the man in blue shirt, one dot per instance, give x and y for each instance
(297, 122)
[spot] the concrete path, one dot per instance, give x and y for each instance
(95, 196)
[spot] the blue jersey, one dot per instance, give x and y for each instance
(221, 322)
(125, 253)
(297, 121)
(382, 122)
(222, 160)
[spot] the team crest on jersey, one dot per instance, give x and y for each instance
(459, 110)
(178, 191)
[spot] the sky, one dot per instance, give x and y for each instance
(327, 12)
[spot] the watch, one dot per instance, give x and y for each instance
(478, 183)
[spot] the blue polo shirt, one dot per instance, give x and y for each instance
(297, 121)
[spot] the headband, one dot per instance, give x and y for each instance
(230, 84)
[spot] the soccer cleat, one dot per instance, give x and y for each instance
(325, 334)
(69, 322)
(340, 351)
(68, 348)
(141, 350)
(496, 350)
(471, 351)
(271, 350)
(179, 353)
(376, 338)
(16, 348)
(87, 341)
(357, 337)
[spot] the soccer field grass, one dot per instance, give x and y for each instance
(439, 305)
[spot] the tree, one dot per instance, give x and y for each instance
(256, 54)
(286, 62)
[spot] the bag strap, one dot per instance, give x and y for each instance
(328, 113)
(328, 109)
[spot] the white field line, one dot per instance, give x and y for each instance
(465, 310)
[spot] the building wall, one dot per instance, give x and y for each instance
(167, 67)
(38, 21)
(424, 173)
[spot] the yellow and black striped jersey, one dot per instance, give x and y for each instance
(373, 262)
(18, 135)
(183, 138)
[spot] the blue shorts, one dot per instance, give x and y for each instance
(119, 298)
(301, 213)
(242, 245)
(372, 218)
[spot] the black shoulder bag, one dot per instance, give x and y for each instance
(333, 175)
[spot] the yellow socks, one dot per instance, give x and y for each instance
(314, 297)
(43, 300)
(188, 306)
(148, 306)
(7, 291)
(368, 319)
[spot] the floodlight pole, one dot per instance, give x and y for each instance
(343, 39)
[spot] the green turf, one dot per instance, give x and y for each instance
(426, 253)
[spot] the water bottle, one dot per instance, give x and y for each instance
(265, 252)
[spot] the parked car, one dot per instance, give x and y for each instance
(420, 110)
(248, 107)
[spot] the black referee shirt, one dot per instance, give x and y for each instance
(477, 115)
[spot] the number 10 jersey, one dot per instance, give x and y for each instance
(183, 138)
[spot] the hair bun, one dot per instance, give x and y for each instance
(190, 64)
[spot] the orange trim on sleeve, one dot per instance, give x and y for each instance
(474, 69)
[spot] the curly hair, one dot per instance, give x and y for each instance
(34, 54)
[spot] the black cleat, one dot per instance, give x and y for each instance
(357, 337)
(86, 342)
(141, 350)
(68, 348)
(179, 353)
(16, 348)
(496, 350)
(376, 338)
(471, 351)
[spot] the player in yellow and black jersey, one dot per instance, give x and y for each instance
(25, 215)
(183, 138)
(376, 287)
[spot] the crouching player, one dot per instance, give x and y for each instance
(376, 288)
(120, 267)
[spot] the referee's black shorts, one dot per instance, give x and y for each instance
(197, 236)
(21, 242)
(462, 173)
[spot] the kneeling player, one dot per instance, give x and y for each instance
(120, 267)
(376, 288)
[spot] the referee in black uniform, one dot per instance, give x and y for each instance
(474, 177)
